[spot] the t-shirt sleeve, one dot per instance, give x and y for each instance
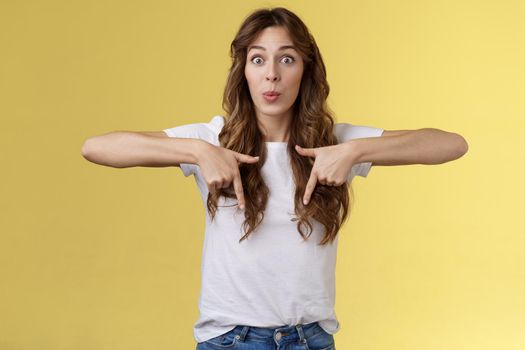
(203, 131)
(345, 132)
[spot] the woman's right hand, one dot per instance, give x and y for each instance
(219, 166)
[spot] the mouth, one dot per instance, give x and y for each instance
(271, 96)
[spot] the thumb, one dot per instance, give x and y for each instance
(309, 152)
(245, 158)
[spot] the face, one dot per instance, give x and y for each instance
(273, 64)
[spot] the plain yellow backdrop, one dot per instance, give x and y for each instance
(98, 258)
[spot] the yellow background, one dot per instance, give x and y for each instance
(99, 258)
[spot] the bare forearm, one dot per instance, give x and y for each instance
(422, 146)
(122, 149)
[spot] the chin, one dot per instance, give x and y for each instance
(273, 110)
(276, 112)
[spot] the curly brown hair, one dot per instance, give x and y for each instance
(312, 126)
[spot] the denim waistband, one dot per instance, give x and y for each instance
(283, 333)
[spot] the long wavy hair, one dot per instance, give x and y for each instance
(312, 126)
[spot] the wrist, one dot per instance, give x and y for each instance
(199, 148)
(354, 148)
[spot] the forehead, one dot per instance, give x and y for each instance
(273, 38)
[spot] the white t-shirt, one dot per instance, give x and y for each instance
(273, 278)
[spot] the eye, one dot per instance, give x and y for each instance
(255, 57)
(290, 59)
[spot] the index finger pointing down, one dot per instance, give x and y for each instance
(237, 185)
(310, 186)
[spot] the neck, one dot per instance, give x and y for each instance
(275, 128)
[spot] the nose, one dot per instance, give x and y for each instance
(272, 74)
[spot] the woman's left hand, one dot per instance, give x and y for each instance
(331, 167)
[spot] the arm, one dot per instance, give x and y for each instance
(122, 149)
(421, 146)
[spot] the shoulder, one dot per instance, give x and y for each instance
(207, 131)
(348, 131)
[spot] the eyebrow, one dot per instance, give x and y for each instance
(280, 49)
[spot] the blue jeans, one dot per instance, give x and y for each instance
(299, 337)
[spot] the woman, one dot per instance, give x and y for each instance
(273, 208)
